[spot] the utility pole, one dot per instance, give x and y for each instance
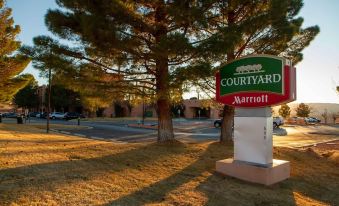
(49, 98)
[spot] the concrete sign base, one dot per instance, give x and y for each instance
(253, 156)
(278, 171)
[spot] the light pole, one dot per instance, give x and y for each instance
(49, 99)
(143, 105)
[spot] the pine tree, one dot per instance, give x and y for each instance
(139, 44)
(284, 111)
(155, 47)
(255, 27)
(11, 64)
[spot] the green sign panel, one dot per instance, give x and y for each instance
(254, 74)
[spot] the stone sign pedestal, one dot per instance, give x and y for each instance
(278, 171)
(253, 155)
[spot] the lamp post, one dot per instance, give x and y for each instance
(49, 99)
(143, 105)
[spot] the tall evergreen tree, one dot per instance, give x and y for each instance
(138, 43)
(246, 27)
(155, 47)
(11, 64)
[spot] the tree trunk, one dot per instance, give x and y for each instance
(226, 133)
(165, 125)
(227, 125)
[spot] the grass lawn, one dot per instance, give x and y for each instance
(53, 169)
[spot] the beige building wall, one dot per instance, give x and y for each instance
(191, 107)
(190, 112)
(149, 110)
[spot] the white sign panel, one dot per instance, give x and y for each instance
(253, 140)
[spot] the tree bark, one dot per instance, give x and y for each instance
(226, 134)
(165, 125)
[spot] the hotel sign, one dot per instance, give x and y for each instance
(256, 81)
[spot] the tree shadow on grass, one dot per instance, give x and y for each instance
(209, 188)
(158, 191)
(220, 190)
(16, 183)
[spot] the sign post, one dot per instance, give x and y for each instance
(252, 85)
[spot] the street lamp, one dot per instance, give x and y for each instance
(49, 98)
(143, 105)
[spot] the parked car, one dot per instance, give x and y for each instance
(311, 120)
(277, 122)
(42, 115)
(10, 115)
(73, 115)
(33, 114)
(57, 115)
(217, 123)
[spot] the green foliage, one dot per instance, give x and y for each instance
(11, 64)
(284, 111)
(27, 97)
(152, 48)
(254, 27)
(12, 86)
(121, 39)
(303, 110)
(62, 98)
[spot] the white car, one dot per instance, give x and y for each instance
(57, 115)
(277, 121)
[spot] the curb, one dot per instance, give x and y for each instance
(149, 127)
(315, 144)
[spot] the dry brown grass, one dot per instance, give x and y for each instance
(53, 169)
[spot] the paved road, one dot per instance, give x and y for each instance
(183, 130)
(186, 130)
(192, 130)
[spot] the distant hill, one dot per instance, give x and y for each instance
(317, 109)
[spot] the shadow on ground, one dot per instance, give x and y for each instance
(183, 175)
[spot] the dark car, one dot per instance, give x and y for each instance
(73, 115)
(42, 115)
(217, 123)
(10, 115)
(33, 114)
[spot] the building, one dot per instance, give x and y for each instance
(191, 109)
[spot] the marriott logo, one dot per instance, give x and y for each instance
(251, 99)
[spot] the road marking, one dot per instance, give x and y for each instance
(136, 136)
(108, 140)
(80, 135)
(197, 134)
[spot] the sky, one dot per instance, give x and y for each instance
(317, 74)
